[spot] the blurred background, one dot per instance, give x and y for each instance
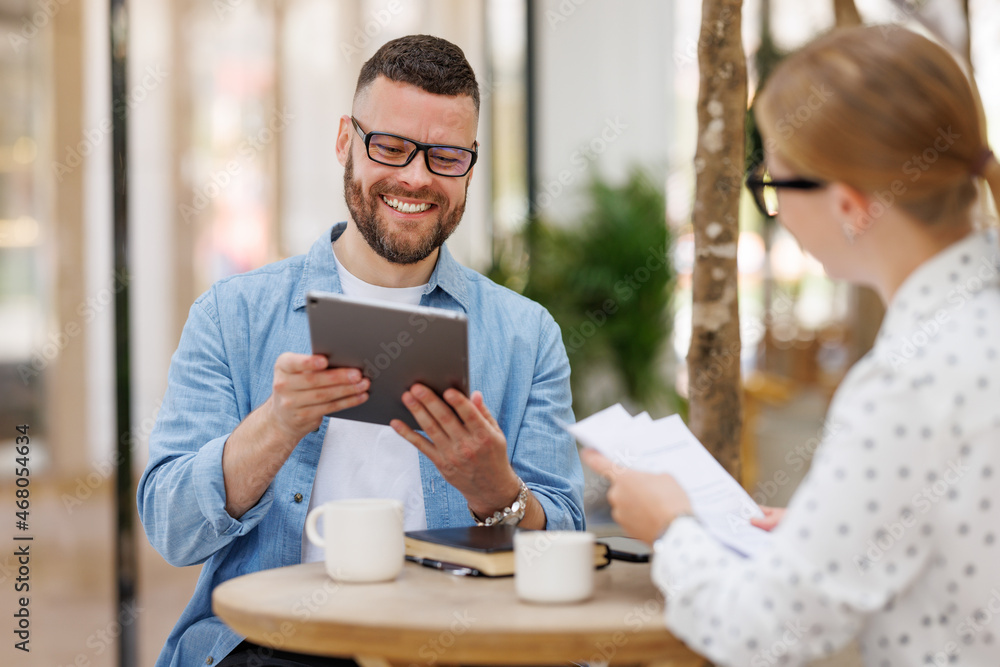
(582, 194)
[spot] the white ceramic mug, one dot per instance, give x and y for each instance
(362, 538)
(553, 565)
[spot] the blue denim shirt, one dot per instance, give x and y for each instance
(223, 369)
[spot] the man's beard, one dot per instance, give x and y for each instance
(376, 231)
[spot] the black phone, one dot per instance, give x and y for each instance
(627, 548)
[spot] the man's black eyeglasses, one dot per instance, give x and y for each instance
(765, 189)
(396, 151)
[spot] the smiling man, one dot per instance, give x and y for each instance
(243, 449)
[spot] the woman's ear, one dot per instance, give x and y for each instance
(853, 210)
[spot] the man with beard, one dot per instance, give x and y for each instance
(243, 449)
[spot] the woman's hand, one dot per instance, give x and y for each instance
(643, 504)
(772, 517)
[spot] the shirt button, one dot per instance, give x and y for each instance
(298, 499)
(209, 660)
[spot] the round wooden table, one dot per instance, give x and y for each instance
(427, 617)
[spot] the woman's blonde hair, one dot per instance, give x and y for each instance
(886, 111)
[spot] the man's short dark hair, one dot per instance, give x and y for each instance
(427, 62)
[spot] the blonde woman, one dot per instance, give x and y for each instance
(894, 535)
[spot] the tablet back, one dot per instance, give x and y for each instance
(395, 345)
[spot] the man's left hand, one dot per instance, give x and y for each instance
(466, 444)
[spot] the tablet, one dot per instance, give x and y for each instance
(395, 345)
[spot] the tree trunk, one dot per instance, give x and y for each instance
(846, 13)
(968, 33)
(867, 311)
(714, 357)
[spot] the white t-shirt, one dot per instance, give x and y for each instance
(362, 460)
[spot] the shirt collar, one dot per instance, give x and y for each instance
(944, 283)
(319, 272)
(449, 275)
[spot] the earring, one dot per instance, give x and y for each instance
(849, 233)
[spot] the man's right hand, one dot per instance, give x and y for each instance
(305, 390)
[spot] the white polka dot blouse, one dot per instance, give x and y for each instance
(892, 535)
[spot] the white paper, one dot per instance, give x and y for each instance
(667, 446)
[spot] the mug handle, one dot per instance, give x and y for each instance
(311, 531)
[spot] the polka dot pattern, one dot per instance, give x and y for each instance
(892, 536)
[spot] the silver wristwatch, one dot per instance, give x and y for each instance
(510, 515)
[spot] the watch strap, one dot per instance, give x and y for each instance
(510, 515)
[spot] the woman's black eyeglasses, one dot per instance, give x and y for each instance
(396, 151)
(765, 189)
